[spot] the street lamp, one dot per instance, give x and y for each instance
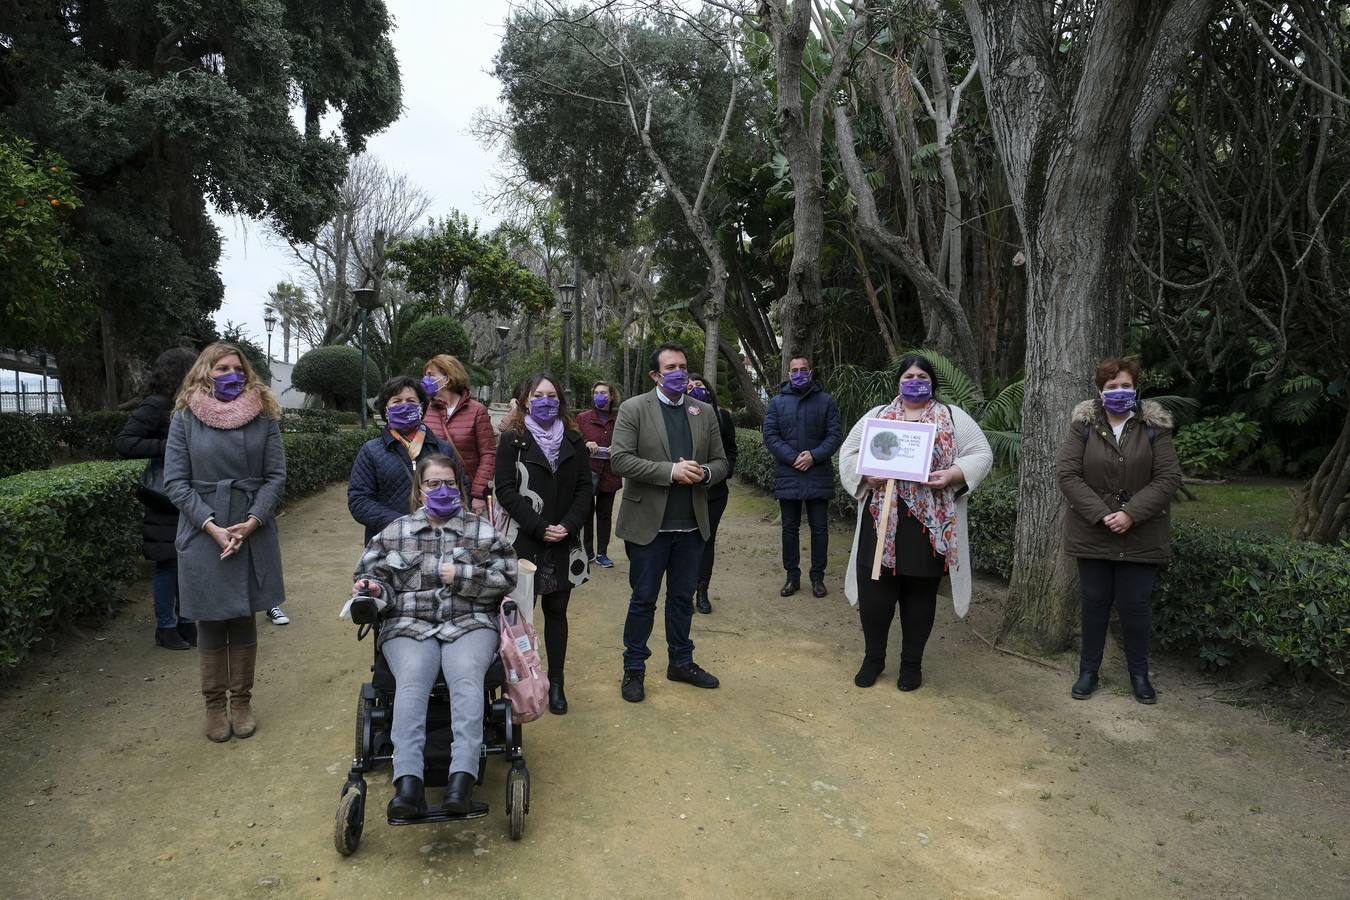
(565, 292)
(367, 299)
(502, 332)
(269, 322)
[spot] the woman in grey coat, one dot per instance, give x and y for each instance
(225, 471)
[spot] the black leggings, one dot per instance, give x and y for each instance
(216, 634)
(1129, 587)
(877, 600)
(555, 630)
(716, 506)
(595, 534)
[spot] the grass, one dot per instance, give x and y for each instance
(1264, 506)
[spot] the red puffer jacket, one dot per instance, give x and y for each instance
(469, 428)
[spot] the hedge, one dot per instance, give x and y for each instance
(24, 444)
(71, 537)
(28, 440)
(1225, 592)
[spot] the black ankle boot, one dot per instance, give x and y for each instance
(869, 671)
(189, 632)
(1142, 689)
(911, 676)
(557, 700)
(409, 798)
(1085, 685)
(459, 793)
(701, 601)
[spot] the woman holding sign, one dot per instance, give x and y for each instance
(910, 464)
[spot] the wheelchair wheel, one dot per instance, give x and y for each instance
(349, 822)
(517, 792)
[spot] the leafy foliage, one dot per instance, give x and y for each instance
(334, 374)
(24, 444)
(584, 373)
(433, 335)
(1210, 446)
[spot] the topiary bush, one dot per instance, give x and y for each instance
(24, 444)
(433, 335)
(334, 374)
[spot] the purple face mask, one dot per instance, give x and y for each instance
(800, 379)
(444, 502)
(601, 401)
(1119, 401)
(916, 390)
(675, 381)
(403, 416)
(701, 393)
(544, 409)
(229, 386)
(431, 384)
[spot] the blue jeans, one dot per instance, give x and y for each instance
(675, 556)
(164, 587)
(818, 514)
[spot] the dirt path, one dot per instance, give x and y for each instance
(787, 782)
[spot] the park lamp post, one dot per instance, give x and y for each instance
(367, 299)
(565, 292)
(502, 332)
(269, 322)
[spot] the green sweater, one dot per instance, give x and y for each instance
(680, 501)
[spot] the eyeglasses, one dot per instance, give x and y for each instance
(432, 483)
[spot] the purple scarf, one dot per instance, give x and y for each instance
(549, 438)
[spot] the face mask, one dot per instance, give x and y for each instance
(1118, 401)
(431, 384)
(675, 381)
(229, 386)
(601, 401)
(444, 502)
(916, 390)
(403, 416)
(800, 379)
(701, 393)
(544, 409)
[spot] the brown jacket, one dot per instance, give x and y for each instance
(1093, 468)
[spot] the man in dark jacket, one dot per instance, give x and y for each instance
(802, 431)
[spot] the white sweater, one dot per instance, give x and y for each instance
(973, 457)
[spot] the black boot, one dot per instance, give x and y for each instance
(790, 587)
(189, 632)
(557, 700)
(869, 671)
(701, 601)
(459, 793)
(911, 676)
(1142, 689)
(1085, 685)
(170, 639)
(409, 798)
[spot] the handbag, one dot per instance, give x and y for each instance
(526, 685)
(151, 489)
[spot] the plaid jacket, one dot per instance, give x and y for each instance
(405, 561)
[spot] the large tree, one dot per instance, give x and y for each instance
(166, 107)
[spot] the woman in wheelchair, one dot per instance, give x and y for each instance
(442, 571)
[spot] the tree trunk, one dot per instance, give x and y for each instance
(1324, 502)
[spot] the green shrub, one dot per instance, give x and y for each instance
(24, 444)
(584, 374)
(1210, 446)
(334, 373)
(295, 423)
(434, 335)
(70, 537)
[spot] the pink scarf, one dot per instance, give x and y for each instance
(935, 510)
(225, 416)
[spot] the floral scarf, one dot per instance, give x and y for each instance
(935, 510)
(414, 444)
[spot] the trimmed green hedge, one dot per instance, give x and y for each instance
(71, 537)
(1225, 591)
(24, 444)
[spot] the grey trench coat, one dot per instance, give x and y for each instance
(232, 474)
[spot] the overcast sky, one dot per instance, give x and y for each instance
(445, 48)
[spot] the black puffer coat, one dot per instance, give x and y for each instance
(144, 437)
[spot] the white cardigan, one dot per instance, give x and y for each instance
(974, 458)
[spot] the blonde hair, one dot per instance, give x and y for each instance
(456, 376)
(198, 379)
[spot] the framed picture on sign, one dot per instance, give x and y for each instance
(895, 449)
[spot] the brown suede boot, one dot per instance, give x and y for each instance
(242, 658)
(215, 675)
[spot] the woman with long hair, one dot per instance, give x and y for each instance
(925, 536)
(144, 437)
(544, 485)
(719, 493)
(225, 470)
(596, 424)
(461, 423)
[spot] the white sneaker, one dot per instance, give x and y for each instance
(277, 616)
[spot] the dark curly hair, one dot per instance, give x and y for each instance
(169, 370)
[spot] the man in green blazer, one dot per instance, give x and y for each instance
(668, 448)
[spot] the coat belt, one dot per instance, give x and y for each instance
(217, 493)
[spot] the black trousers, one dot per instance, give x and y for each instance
(595, 534)
(877, 602)
(716, 506)
(554, 606)
(1129, 587)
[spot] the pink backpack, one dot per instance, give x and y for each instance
(526, 685)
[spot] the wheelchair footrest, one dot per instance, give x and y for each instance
(478, 811)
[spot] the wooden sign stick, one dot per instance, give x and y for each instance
(886, 503)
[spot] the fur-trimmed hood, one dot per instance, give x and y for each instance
(1151, 412)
